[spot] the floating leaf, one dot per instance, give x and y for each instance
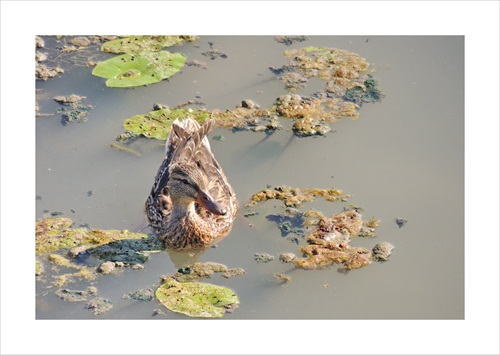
(197, 299)
(139, 69)
(137, 44)
(157, 123)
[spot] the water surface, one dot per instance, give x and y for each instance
(404, 157)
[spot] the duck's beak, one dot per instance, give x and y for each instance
(207, 201)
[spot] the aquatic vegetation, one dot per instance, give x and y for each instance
(78, 111)
(294, 197)
(328, 253)
(157, 123)
(263, 257)
(138, 44)
(142, 62)
(99, 305)
(56, 233)
(330, 64)
(127, 251)
(72, 295)
(382, 251)
(289, 40)
(197, 299)
(144, 68)
(144, 295)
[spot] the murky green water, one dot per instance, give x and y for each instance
(403, 158)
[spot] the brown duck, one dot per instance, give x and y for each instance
(191, 203)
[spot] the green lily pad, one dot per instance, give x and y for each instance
(197, 299)
(137, 44)
(157, 123)
(139, 69)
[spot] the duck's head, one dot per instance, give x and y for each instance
(187, 184)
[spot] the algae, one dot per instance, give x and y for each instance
(144, 295)
(55, 233)
(382, 251)
(157, 123)
(294, 197)
(99, 305)
(197, 299)
(201, 270)
(137, 44)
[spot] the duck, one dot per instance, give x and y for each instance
(191, 204)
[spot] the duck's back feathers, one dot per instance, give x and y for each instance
(187, 145)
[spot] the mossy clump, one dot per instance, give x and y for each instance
(382, 251)
(294, 197)
(331, 64)
(157, 123)
(137, 44)
(197, 299)
(56, 233)
(202, 270)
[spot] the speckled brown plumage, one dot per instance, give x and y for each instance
(191, 203)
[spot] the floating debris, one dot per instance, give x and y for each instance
(289, 40)
(263, 257)
(197, 299)
(401, 222)
(125, 149)
(251, 213)
(106, 267)
(80, 41)
(78, 111)
(287, 257)
(382, 251)
(72, 295)
(38, 268)
(214, 53)
(157, 123)
(71, 100)
(197, 63)
(294, 197)
(144, 295)
(138, 44)
(133, 252)
(201, 270)
(328, 253)
(99, 305)
(43, 72)
(56, 233)
(233, 272)
(280, 276)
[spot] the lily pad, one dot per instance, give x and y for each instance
(156, 124)
(144, 68)
(197, 299)
(137, 44)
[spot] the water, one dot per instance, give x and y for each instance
(404, 157)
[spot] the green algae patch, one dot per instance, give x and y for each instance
(197, 299)
(55, 233)
(127, 70)
(137, 44)
(157, 123)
